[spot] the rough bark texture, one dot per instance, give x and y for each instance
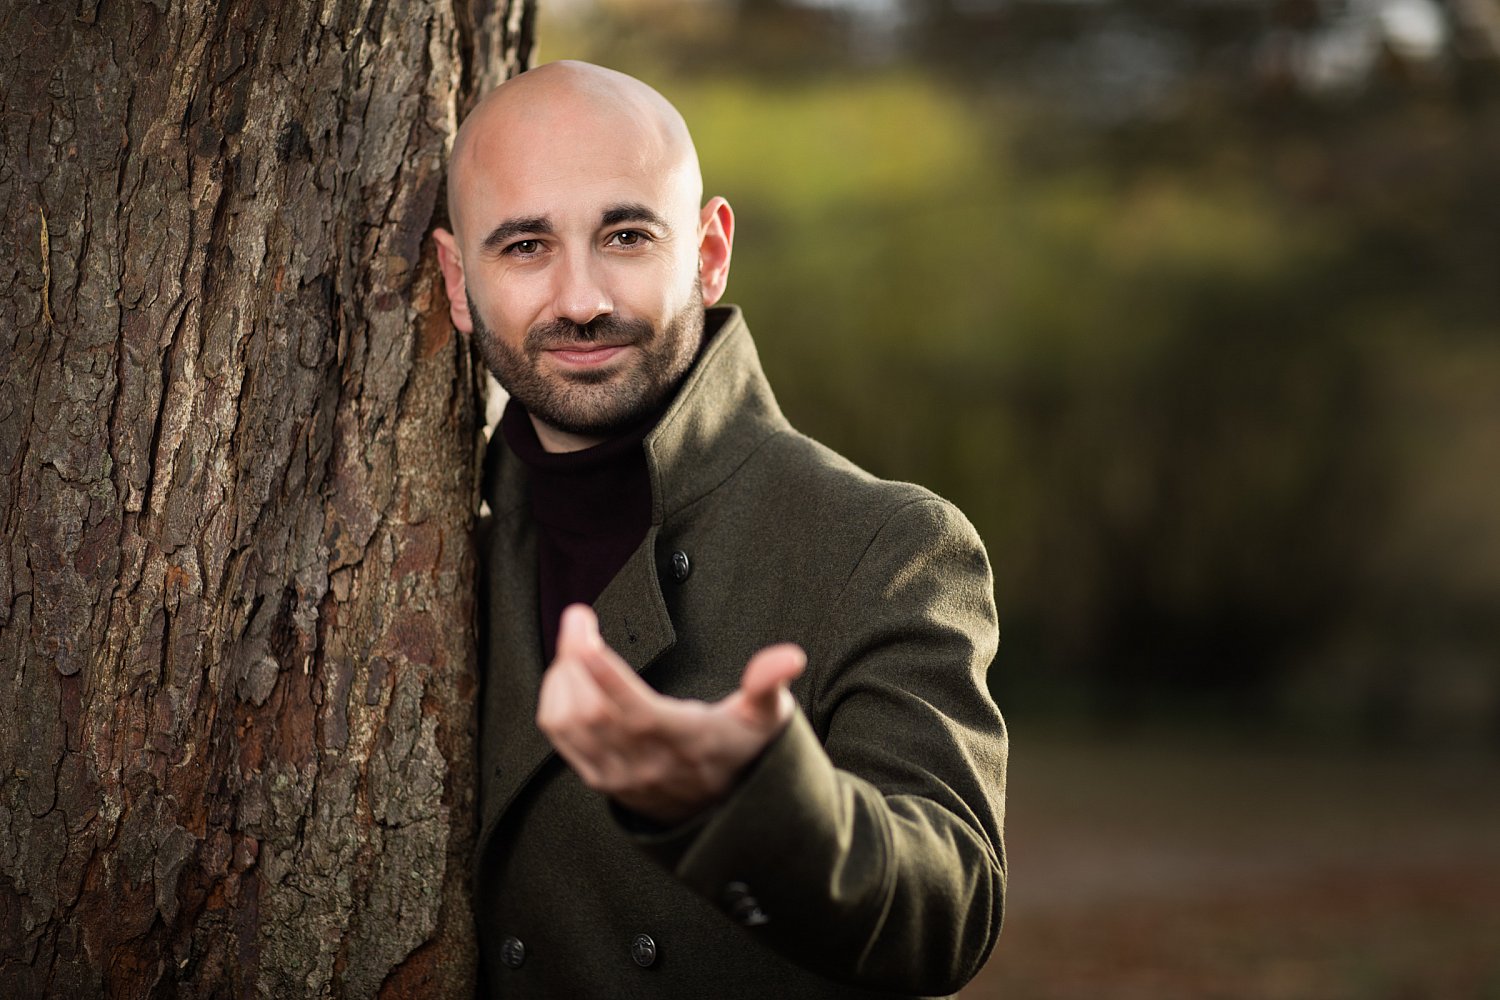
(237, 484)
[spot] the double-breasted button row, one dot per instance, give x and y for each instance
(642, 951)
(742, 906)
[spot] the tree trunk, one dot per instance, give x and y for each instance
(238, 455)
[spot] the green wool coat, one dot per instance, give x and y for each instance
(861, 854)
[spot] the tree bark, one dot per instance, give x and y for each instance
(238, 463)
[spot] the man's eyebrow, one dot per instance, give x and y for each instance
(634, 212)
(508, 230)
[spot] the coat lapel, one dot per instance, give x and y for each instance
(513, 747)
(633, 617)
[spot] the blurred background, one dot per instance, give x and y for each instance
(1193, 306)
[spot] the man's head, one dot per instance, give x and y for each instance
(579, 257)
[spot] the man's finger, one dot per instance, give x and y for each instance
(577, 719)
(766, 676)
(619, 683)
(578, 637)
(554, 698)
(578, 631)
(569, 699)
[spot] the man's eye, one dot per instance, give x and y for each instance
(524, 247)
(628, 238)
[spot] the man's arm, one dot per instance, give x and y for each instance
(864, 842)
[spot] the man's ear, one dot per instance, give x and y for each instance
(715, 241)
(453, 279)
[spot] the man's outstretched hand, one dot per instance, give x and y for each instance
(664, 758)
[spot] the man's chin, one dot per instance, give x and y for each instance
(567, 377)
(594, 411)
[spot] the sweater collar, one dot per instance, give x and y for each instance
(721, 413)
(598, 491)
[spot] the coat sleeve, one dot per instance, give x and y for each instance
(865, 843)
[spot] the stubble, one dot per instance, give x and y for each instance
(588, 402)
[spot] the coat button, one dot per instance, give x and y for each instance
(512, 952)
(643, 950)
(681, 566)
(742, 906)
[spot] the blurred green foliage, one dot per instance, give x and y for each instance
(1219, 389)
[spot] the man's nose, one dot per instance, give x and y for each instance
(580, 294)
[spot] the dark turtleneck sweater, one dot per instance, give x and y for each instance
(592, 509)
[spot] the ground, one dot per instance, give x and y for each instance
(1208, 869)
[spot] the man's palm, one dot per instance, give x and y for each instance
(665, 758)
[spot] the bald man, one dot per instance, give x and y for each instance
(735, 735)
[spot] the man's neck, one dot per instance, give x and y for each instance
(558, 442)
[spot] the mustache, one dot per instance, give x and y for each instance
(612, 331)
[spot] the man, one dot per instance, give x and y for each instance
(764, 763)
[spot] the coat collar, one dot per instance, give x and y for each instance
(722, 412)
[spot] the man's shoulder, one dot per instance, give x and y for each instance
(831, 488)
(794, 455)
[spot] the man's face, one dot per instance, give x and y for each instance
(580, 248)
(595, 378)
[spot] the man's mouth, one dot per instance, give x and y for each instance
(586, 354)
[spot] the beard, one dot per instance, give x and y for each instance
(596, 403)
